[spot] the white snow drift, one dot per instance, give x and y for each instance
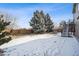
(42, 45)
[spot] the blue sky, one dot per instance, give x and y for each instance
(24, 11)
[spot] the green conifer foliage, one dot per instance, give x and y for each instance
(41, 22)
(4, 36)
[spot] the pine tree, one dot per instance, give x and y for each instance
(41, 22)
(48, 23)
(4, 36)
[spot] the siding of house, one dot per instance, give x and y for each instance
(77, 28)
(76, 20)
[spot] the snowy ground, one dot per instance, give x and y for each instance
(42, 45)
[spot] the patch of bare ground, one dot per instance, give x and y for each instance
(1, 52)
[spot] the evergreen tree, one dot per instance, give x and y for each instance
(48, 23)
(41, 22)
(4, 36)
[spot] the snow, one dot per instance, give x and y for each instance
(26, 38)
(42, 45)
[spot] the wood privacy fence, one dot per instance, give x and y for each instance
(19, 31)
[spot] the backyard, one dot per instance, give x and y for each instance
(42, 45)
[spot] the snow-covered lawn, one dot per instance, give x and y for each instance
(42, 45)
(26, 38)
